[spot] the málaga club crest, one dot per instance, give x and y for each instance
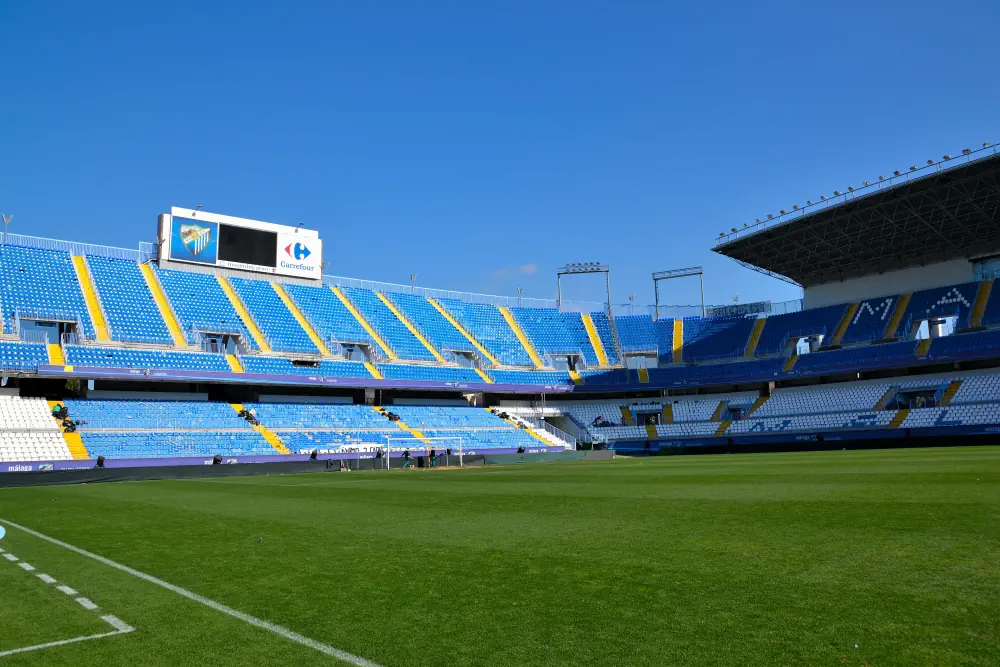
(195, 238)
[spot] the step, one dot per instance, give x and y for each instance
(301, 319)
(595, 339)
(761, 400)
(899, 418)
(468, 336)
(521, 337)
(481, 373)
(270, 436)
(845, 321)
(234, 363)
(790, 362)
(758, 327)
(248, 322)
(979, 305)
(364, 323)
(651, 432)
(678, 344)
(667, 412)
(949, 393)
(409, 325)
(643, 376)
(924, 347)
(529, 431)
(897, 316)
(74, 441)
(723, 426)
(163, 305)
(719, 409)
(90, 297)
(56, 356)
(373, 370)
(576, 377)
(627, 415)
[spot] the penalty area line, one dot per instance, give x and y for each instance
(120, 627)
(273, 628)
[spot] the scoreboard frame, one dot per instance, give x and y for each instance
(195, 237)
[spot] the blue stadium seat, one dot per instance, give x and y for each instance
(111, 357)
(330, 318)
(17, 357)
(41, 284)
(555, 333)
(201, 306)
(276, 323)
(389, 327)
(431, 324)
(855, 357)
(529, 377)
(131, 312)
(489, 327)
(778, 328)
(871, 320)
(603, 327)
(716, 337)
(939, 302)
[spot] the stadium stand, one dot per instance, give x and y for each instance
(129, 307)
(780, 329)
(488, 326)
(430, 322)
(272, 318)
(328, 315)
(41, 285)
(602, 324)
(324, 368)
(28, 432)
(870, 320)
(555, 333)
(716, 337)
(201, 306)
(110, 357)
(952, 300)
(428, 373)
(389, 327)
(19, 357)
(504, 376)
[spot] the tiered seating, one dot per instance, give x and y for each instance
(954, 415)
(552, 332)
(488, 326)
(717, 373)
(387, 325)
(870, 321)
(201, 306)
(831, 398)
(272, 317)
(860, 419)
(431, 324)
(853, 357)
(967, 343)
(476, 428)
(305, 427)
(28, 432)
(941, 302)
(109, 357)
(603, 327)
(154, 414)
(326, 368)
(636, 333)
(778, 328)
(41, 284)
(162, 429)
(129, 307)
(978, 389)
(428, 373)
(328, 315)
(170, 444)
(15, 357)
(716, 337)
(529, 377)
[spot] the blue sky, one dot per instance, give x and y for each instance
(480, 145)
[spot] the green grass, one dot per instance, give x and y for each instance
(768, 559)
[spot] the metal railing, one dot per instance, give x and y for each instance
(558, 434)
(851, 193)
(144, 253)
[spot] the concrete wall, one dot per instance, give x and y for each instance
(892, 282)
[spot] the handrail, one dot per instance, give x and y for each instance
(558, 433)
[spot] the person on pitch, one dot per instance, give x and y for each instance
(434, 459)
(406, 458)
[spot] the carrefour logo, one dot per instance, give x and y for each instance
(297, 251)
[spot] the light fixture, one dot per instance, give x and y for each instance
(822, 197)
(947, 156)
(966, 151)
(809, 202)
(795, 207)
(881, 178)
(850, 188)
(986, 144)
(782, 211)
(758, 221)
(836, 193)
(865, 184)
(930, 162)
(734, 230)
(770, 217)
(897, 173)
(913, 167)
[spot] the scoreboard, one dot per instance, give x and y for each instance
(200, 237)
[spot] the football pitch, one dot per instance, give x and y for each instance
(828, 558)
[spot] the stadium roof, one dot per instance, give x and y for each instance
(947, 210)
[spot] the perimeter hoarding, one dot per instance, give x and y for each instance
(211, 239)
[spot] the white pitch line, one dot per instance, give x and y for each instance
(66, 589)
(86, 604)
(11, 557)
(27, 568)
(290, 635)
(46, 578)
(120, 629)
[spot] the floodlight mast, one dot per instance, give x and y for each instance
(579, 268)
(678, 273)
